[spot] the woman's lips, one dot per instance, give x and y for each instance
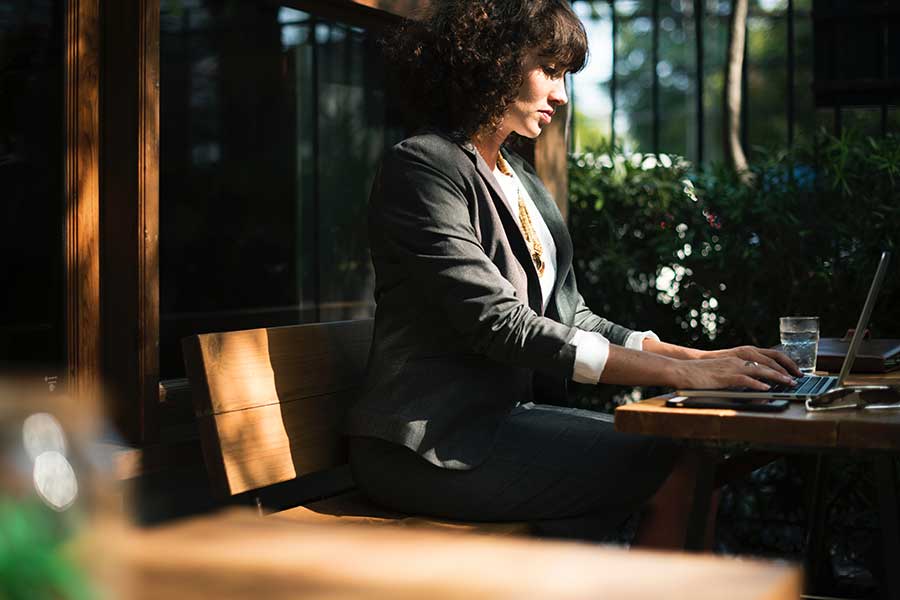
(546, 116)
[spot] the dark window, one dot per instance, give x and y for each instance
(857, 48)
(31, 185)
(273, 121)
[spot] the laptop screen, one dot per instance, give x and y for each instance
(863, 322)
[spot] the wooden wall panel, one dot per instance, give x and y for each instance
(130, 215)
(148, 216)
(82, 209)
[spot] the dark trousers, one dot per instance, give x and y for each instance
(565, 470)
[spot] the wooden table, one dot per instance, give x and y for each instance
(794, 430)
(237, 554)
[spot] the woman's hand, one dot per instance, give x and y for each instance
(773, 359)
(727, 372)
(685, 368)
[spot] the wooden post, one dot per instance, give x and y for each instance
(130, 200)
(81, 204)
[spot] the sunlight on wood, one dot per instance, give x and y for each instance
(275, 398)
(236, 555)
(239, 371)
(255, 448)
(255, 445)
(82, 210)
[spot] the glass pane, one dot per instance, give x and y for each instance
(676, 8)
(893, 50)
(632, 8)
(677, 72)
(866, 121)
(352, 139)
(893, 124)
(761, 7)
(634, 80)
(825, 119)
(715, 46)
(271, 125)
(859, 51)
(591, 97)
(804, 103)
(767, 82)
(32, 326)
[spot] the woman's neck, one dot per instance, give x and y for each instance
(488, 145)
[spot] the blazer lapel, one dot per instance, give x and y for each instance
(513, 233)
(552, 217)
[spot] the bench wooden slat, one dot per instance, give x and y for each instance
(238, 370)
(262, 446)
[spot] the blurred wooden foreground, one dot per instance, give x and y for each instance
(237, 554)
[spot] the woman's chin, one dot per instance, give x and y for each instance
(531, 132)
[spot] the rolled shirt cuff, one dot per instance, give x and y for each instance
(591, 354)
(635, 339)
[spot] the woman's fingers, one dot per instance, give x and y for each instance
(762, 371)
(752, 373)
(771, 363)
(775, 360)
(746, 381)
(782, 359)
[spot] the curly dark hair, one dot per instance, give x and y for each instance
(459, 66)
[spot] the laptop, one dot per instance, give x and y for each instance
(810, 387)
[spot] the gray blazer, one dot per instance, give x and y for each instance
(460, 336)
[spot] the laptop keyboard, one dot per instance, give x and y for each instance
(807, 385)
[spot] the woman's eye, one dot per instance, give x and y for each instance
(552, 71)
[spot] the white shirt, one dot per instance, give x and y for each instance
(591, 348)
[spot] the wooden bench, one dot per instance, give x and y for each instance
(234, 555)
(270, 405)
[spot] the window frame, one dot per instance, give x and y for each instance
(81, 198)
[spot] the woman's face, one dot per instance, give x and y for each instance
(543, 90)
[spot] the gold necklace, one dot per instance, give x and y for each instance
(531, 239)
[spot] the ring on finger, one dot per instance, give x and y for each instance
(751, 363)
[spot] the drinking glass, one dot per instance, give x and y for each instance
(800, 340)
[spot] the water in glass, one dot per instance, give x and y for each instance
(801, 347)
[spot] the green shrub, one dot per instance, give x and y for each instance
(34, 562)
(707, 261)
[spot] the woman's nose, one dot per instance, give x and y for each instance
(558, 93)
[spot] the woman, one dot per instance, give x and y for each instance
(479, 323)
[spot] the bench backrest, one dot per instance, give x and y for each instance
(270, 403)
